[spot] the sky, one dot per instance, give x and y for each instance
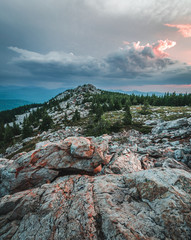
(114, 44)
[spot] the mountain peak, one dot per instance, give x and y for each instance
(86, 88)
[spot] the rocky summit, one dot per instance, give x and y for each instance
(121, 185)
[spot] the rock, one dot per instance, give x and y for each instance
(80, 147)
(170, 125)
(176, 124)
(74, 155)
(171, 163)
(41, 144)
(13, 148)
(114, 148)
(141, 150)
(151, 204)
(189, 164)
(123, 164)
(174, 143)
(187, 150)
(152, 122)
(178, 154)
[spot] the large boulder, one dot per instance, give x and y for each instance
(74, 155)
(152, 204)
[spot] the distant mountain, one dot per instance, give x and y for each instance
(139, 93)
(31, 94)
(9, 104)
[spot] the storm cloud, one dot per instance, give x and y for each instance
(132, 61)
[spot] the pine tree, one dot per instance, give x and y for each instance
(99, 112)
(2, 131)
(47, 123)
(8, 134)
(16, 129)
(134, 101)
(127, 116)
(65, 118)
(76, 116)
(27, 130)
(145, 108)
(117, 104)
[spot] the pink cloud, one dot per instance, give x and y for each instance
(184, 29)
(157, 48)
(161, 46)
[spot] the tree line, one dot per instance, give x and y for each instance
(116, 101)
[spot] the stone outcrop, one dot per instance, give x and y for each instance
(151, 204)
(72, 156)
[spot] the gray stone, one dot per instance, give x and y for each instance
(151, 204)
(178, 154)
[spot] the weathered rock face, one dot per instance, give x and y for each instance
(151, 204)
(72, 156)
(100, 188)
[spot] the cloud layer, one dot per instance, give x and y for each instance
(143, 63)
(72, 41)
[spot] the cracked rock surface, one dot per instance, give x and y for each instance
(92, 188)
(151, 204)
(72, 156)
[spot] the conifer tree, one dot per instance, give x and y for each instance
(99, 112)
(16, 129)
(65, 118)
(2, 131)
(76, 116)
(47, 123)
(127, 116)
(8, 135)
(27, 129)
(145, 108)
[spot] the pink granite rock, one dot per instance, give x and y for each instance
(152, 204)
(74, 155)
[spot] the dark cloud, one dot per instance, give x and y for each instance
(134, 63)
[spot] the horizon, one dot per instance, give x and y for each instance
(115, 45)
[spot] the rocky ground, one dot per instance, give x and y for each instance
(125, 185)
